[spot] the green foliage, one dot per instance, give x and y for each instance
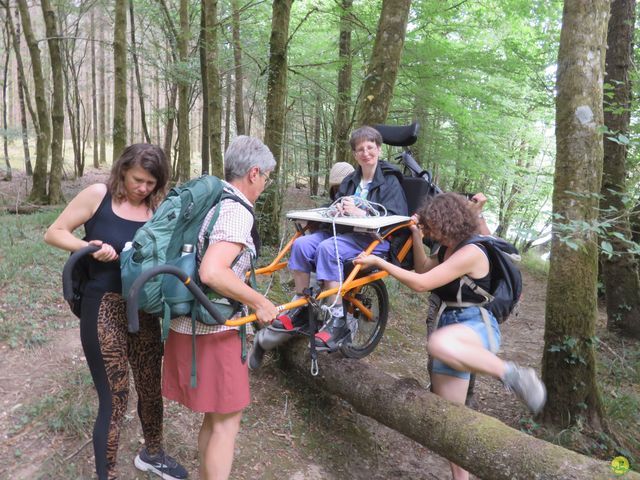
(30, 275)
(533, 263)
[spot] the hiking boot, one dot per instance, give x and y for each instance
(332, 334)
(161, 464)
(295, 320)
(526, 385)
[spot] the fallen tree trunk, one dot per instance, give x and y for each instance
(479, 443)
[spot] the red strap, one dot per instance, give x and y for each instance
(286, 321)
(324, 336)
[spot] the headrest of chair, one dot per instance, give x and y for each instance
(399, 136)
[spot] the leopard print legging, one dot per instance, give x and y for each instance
(109, 350)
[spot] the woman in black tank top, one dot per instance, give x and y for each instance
(111, 214)
(467, 338)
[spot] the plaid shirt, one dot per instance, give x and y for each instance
(233, 225)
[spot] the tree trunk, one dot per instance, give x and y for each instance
(380, 79)
(275, 115)
(479, 443)
(38, 193)
(119, 79)
(23, 92)
(134, 53)
(5, 76)
(202, 50)
(237, 61)
(315, 170)
(184, 152)
(94, 93)
(171, 118)
(102, 126)
(569, 363)
(620, 271)
(57, 104)
(227, 111)
(343, 100)
(213, 88)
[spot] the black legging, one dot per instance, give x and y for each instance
(109, 349)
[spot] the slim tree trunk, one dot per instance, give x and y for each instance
(94, 93)
(568, 362)
(57, 104)
(171, 119)
(43, 126)
(237, 61)
(315, 171)
(276, 109)
(120, 79)
(343, 100)
(619, 271)
(382, 71)
(136, 66)
(23, 92)
(202, 49)
(213, 89)
(184, 152)
(102, 123)
(227, 111)
(5, 77)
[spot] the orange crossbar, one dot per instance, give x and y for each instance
(349, 284)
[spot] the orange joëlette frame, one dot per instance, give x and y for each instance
(348, 286)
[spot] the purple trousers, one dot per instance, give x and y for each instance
(318, 250)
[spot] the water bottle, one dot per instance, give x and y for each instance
(187, 248)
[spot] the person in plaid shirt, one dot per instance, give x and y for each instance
(222, 390)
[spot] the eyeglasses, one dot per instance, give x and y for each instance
(366, 150)
(267, 181)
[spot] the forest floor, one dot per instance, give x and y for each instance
(289, 431)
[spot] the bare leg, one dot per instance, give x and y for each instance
(461, 348)
(216, 442)
(328, 285)
(453, 389)
(301, 280)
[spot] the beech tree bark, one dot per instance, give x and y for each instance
(568, 362)
(237, 62)
(213, 89)
(380, 80)
(343, 100)
(202, 50)
(619, 271)
(136, 66)
(23, 89)
(38, 193)
(119, 79)
(184, 152)
(57, 104)
(479, 443)
(94, 93)
(276, 109)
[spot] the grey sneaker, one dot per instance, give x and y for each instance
(161, 464)
(256, 355)
(526, 385)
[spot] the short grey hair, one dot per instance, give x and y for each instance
(245, 153)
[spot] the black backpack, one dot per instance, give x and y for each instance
(506, 280)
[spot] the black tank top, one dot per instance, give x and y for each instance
(116, 231)
(449, 292)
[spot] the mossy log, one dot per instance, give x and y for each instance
(481, 444)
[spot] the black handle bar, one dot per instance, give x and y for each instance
(132, 299)
(406, 159)
(67, 271)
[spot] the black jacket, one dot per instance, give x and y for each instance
(385, 188)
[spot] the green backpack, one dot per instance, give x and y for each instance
(176, 222)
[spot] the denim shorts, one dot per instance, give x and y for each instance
(472, 318)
